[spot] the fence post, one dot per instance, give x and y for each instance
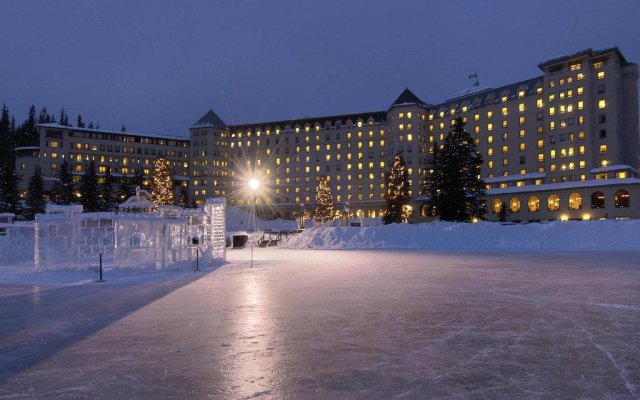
(101, 280)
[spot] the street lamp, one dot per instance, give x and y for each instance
(301, 215)
(254, 185)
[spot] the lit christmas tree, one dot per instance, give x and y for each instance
(397, 192)
(162, 183)
(324, 201)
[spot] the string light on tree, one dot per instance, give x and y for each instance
(397, 192)
(162, 183)
(324, 201)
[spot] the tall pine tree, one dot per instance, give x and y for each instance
(108, 202)
(162, 183)
(324, 201)
(63, 186)
(79, 122)
(9, 198)
(35, 195)
(397, 195)
(89, 189)
(455, 189)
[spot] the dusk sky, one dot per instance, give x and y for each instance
(158, 66)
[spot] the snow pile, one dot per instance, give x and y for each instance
(240, 220)
(571, 235)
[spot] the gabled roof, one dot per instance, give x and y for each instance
(407, 97)
(210, 120)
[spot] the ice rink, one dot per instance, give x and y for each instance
(334, 325)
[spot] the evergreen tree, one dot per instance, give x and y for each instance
(80, 123)
(162, 183)
(324, 201)
(123, 129)
(64, 118)
(126, 188)
(455, 188)
(63, 187)
(397, 192)
(108, 202)
(9, 198)
(89, 189)
(35, 201)
(138, 179)
(435, 175)
(44, 117)
(28, 134)
(90, 125)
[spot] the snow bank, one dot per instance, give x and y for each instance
(240, 220)
(571, 235)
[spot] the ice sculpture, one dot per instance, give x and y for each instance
(139, 235)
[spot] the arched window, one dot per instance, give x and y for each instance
(496, 206)
(534, 204)
(621, 199)
(597, 200)
(575, 201)
(424, 210)
(514, 205)
(553, 203)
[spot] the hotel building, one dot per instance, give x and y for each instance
(123, 153)
(561, 145)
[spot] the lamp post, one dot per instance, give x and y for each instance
(254, 185)
(301, 215)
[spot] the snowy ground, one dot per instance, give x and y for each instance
(565, 236)
(333, 324)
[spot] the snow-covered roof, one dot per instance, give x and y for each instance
(63, 209)
(27, 148)
(469, 90)
(616, 167)
(5, 215)
(520, 177)
(562, 185)
(153, 135)
(210, 120)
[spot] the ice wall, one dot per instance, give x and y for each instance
(127, 240)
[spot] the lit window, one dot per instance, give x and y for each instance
(603, 149)
(496, 206)
(514, 205)
(534, 204)
(602, 103)
(539, 103)
(553, 203)
(600, 74)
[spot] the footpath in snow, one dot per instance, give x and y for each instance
(570, 235)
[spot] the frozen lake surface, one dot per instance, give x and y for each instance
(333, 325)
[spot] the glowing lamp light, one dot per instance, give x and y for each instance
(254, 184)
(586, 217)
(564, 217)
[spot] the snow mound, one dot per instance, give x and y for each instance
(571, 235)
(240, 220)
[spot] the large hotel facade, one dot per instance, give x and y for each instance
(562, 145)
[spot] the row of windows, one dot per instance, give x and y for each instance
(598, 201)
